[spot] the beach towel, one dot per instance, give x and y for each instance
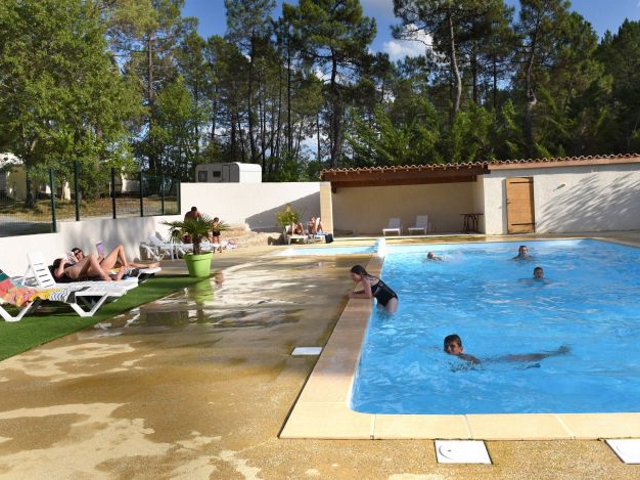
(19, 295)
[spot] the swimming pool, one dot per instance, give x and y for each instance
(354, 250)
(478, 292)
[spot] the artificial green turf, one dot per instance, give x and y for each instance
(46, 324)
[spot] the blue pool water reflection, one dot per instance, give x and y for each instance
(589, 303)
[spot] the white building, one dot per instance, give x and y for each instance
(559, 195)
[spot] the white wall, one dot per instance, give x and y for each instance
(255, 204)
(129, 232)
(571, 199)
(366, 210)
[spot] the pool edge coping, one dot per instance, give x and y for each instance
(322, 409)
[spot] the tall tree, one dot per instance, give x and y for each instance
(620, 55)
(540, 23)
(248, 27)
(61, 96)
(440, 20)
(333, 34)
(148, 33)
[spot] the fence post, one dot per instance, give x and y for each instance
(179, 196)
(162, 193)
(141, 195)
(54, 226)
(113, 192)
(76, 189)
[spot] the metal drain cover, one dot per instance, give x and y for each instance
(462, 451)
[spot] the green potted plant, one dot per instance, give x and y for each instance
(287, 217)
(198, 263)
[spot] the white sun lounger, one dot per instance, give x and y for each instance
(394, 225)
(85, 301)
(289, 237)
(422, 225)
(40, 273)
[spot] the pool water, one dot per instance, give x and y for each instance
(589, 302)
(356, 250)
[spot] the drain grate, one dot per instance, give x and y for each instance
(462, 451)
(298, 351)
(627, 449)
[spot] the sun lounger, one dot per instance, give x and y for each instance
(317, 235)
(158, 249)
(394, 225)
(422, 225)
(85, 301)
(39, 272)
(289, 237)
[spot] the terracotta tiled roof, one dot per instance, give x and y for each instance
(533, 162)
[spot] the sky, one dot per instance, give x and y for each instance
(602, 14)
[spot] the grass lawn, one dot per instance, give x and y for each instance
(50, 322)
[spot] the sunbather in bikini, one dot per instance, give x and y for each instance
(97, 267)
(85, 268)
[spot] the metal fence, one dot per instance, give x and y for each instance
(32, 204)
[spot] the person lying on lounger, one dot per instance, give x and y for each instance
(453, 346)
(87, 268)
(97, 267)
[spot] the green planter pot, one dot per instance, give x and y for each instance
(199, 265)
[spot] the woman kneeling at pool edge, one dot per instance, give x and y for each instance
(373, 287)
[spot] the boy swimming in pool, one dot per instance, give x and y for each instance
(523, 254)
(453, 346)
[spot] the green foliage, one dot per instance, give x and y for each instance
(287, 217)
(61, 95)
(196, 228)
(131, 85)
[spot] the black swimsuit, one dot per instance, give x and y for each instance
(382, 292)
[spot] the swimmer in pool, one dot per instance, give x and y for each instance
(434, 257)
(374, 287)
(537, 279)
(453, 346)
(523, 254)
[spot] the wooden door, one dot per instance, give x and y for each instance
(520, 205)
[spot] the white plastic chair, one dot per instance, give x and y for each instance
(422, 225)
(394, 225)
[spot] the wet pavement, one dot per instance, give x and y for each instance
(199, 384)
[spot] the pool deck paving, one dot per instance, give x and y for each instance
(201, 384)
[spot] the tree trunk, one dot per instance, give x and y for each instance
(454, 68)
(495, 80)
(335, 123)
(150, 102)
(289, 133)
(531, 101)
(474, 73)
(252, 144)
